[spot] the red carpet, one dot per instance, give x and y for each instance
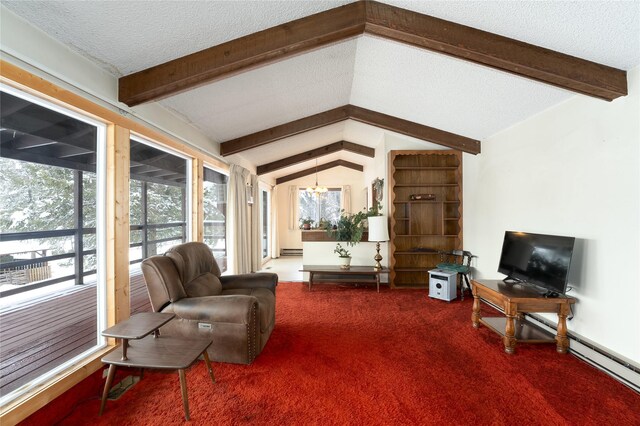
(353, 356)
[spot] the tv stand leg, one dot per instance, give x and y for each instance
(562, 342)
(509, 338)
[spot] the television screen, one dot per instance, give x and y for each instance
(538, 259)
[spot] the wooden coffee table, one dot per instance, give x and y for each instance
(153, 351)
(335, 274)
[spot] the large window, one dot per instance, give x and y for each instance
(52, 300)
(319, 207)
(158, 208)
(215, 214)
(158, 200)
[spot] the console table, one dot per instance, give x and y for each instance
(517, 300)
(335, 274)
(155, 351)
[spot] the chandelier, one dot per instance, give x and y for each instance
(317, 189)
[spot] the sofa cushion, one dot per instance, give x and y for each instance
(163, 281)
(193, 259)
(266, 304)
(206, 284)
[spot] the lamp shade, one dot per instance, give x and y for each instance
(378, 230)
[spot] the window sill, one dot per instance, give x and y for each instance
(322, 235)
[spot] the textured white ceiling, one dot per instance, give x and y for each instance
(128, 36)
(377, 74)
(444, 92)
(294, 145)
(607, 32)
(271, 95)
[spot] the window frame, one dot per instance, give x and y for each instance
(264, 189)
(223, 268)
(188, 202)
(330, 189)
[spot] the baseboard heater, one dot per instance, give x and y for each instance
(291, 252)
(623, 370)
(616, 366)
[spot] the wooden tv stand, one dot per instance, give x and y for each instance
(516, 300)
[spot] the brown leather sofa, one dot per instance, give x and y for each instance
(236, 311)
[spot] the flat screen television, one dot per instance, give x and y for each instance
(537, 260)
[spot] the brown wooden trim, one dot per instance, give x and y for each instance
(419, 131)
(379, 19)
(388, 122)
(117, 221)
(315, 153)
(320, 168)
(495, 51)
(244, 53)
(197, 202)
(292, 128)
(316, 235)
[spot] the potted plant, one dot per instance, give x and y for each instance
(350, 227)
(324, 224)
(306, 223)
(345, 256)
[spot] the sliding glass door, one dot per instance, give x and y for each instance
(265, 210)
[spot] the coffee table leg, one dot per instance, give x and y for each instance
(310, 280)
(107, 386)
(207, 362)
(185, 398)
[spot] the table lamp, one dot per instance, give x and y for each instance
(378, 232)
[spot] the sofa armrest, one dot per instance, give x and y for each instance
(255, 280)
(237, 309)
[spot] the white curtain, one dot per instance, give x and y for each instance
(275, 243)
(346, 198)
(238, 227)
(256, 229)
(293, 203)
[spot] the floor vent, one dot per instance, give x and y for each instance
(290, 252)
(118, 390)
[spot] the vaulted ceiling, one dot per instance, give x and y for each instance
(363, 70)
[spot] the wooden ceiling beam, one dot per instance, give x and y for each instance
(315, 153)
(388, 122)
(242, 54)
(495, 51)
(379, 19)
(292, 128)
(320, 168)
(415, 130)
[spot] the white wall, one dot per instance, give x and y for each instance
(571, 170)
(335, 177)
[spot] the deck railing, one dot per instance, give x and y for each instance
(29, 270)
(39, 269)
(24, 274)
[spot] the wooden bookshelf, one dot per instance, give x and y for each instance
(422, 228)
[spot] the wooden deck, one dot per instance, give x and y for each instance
(38, 337)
